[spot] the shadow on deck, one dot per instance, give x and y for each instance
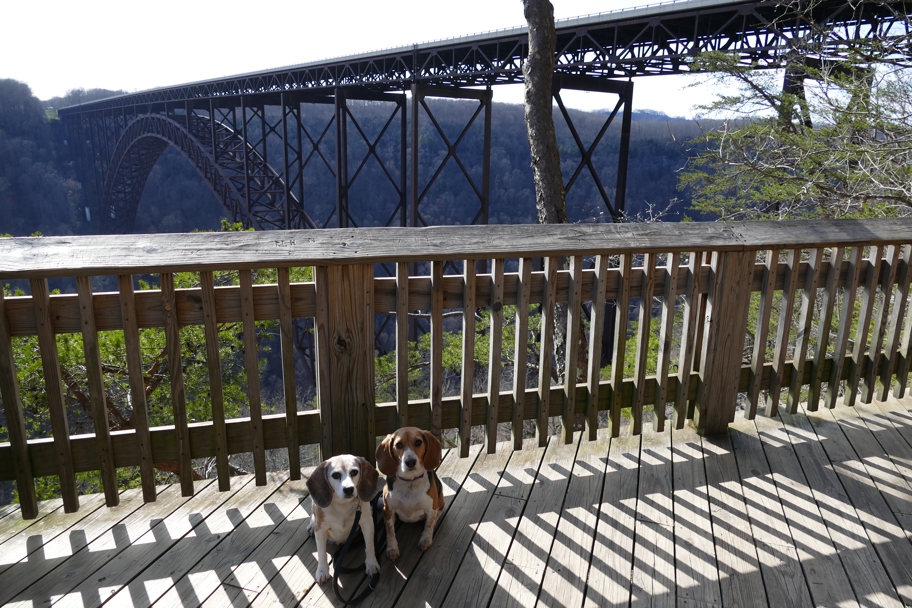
(801, 510)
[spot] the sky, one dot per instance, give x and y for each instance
(58, 45)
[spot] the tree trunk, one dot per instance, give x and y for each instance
(538, 71)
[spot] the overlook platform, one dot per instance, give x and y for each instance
(796, 510)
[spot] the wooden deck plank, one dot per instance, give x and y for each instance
(521, 577)
(30, 539)
(888, 537)
(13, 522)
(654, 552)
(823, 570)
(126, 575)
(779, 563)
(739, 566)
(571, 553)
(474, 582)
(438, 567)
(64, 555)
(866, 574)
(219, 569)
(612, 552)
(894, 445)
(696, 570)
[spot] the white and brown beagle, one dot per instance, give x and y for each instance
(338, 486)
(408, 458)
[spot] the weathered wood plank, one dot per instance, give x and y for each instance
(779, 562)
(888, 536)
(436, 354)
(865, 572)
(894, 331)
(874, 355)
(827, 305)
(286, 345)
(644, 332)
(666, 331)
(688, 336)
(216, 395)
(783, 329)
(567, 569)
(178, 394)
(868, 298)
(520, 579)
(476, 578)
(546, 346)
(402, 343)
(495, 354)
(53, 384)
(826, 577)
(251, 363)
(845, 327)
(520, 352)
(805, 321)
(27, 257)
(764, 312)
(467, 377)
(14, 419)
(622, 305)
(571, 349)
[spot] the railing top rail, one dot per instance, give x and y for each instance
(27, 257)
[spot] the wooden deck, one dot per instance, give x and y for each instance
(807, 510)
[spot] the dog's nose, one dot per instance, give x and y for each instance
(349, 490)
(410, 463)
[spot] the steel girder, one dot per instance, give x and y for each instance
(661, 39)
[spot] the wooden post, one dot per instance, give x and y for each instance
(346, 349)
(723, 340)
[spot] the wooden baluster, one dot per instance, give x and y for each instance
(176, 372)
(137, 381)
(875, 355)
(669, 297)
(761, 334)
(402, 344)
(616, 400)
(546, 346)
(15, 422)
(895, 328)
(823, 328)
(95, 381)
(436, 354)
(468, 357)
(496, 343)
(286, 335)
(868, 297)
(321, 358)
(251, 363)
(644, 332)
(777, 374)
(856, 264)
(216, 396)
(805, 321)
(520, 354)
(571, 351)
(688, 336)
(727, 306)
(596, 327)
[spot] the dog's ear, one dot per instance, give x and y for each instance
(320, 491)
(367, 481)
(433, 452)
(386, 461)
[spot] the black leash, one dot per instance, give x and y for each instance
(379, 546)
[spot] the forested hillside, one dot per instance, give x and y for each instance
(40, 189)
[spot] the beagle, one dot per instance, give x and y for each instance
(408, 458)
(338, 486)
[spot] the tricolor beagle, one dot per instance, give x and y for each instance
(337, 487)
(408, 458)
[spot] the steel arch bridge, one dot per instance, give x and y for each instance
(231, 128)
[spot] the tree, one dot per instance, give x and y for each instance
(835, 140)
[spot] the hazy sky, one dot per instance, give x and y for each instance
(57, 45)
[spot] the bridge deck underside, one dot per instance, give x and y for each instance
(809, 509)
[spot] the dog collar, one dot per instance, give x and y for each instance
(411, 480)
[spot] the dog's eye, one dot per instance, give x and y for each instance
(417, 443)
(337, 475)
(354, 473)
(399, 446)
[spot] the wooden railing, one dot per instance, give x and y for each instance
(742, 306)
